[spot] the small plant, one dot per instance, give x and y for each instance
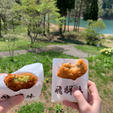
(32, 108)
(107, 51)
(44, 88)
(46, 80)
(11, 46)
(59, 109)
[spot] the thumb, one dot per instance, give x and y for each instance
(11, 102)
(80, 99)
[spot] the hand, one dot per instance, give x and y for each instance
(6, 105)
(93, 105)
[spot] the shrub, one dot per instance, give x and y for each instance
(32, 108)
(92, 32)
(92, 38)
(107, 51)
(58, 108)
(71, 35)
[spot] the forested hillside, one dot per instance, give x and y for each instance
(106, 9)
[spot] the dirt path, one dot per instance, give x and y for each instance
(68, 49)
(17, 52)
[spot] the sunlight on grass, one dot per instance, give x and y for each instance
(89, 49)
(100, 71)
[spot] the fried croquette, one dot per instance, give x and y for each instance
(20, 81)
(72, 71)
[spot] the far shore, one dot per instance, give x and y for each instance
(56, 28)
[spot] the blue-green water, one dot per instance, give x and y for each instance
(108, 23)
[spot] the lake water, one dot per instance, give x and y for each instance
(108, 23)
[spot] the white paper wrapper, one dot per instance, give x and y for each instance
(62, 88)
(32, 93)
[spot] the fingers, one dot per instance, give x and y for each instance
(93, 90)
(80, 98)
(70, 104)
(92, 87)
(94, 93)
(11, 102)
(2, 74)
(15, 100)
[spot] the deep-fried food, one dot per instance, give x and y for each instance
(72, 71)
(20, 81)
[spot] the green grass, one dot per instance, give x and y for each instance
(21, 44)
(22, 40)
(102, 67)
(89, 49)
(32, 108)
(100, 71)
(7, 65)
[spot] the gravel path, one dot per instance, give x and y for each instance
(68, 49)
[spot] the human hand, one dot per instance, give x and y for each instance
(7, 104)
(93, 105)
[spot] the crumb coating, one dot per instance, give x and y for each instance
(20, 81)
(72, 71)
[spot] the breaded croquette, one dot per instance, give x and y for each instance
(72, 71)
(20, 81)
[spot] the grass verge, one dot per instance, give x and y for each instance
(89, 49)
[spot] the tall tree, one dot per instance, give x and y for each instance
(101, 11)
(91, 10)
(108, 9)
(5, 12)
(77, 14)
(64, 6)
(34, 14)
(48, 10)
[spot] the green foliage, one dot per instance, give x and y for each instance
(91, 36)
(5, 14)
(36, 15)
(100, 7)
(6, 9)
(107, 7)
(92, 31)
(6, 65)
(58, 108)
(97, 26)
(91, 10)
(65, 5)
(32, 108)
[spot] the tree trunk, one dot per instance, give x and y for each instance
(65, 24)
(0, 28)
(60, 29)
(5, 24)
(68, 20)
(13, 25)
(31, 38)
(44, 24)
(79, 14)
(75, 21)
(48, 30)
